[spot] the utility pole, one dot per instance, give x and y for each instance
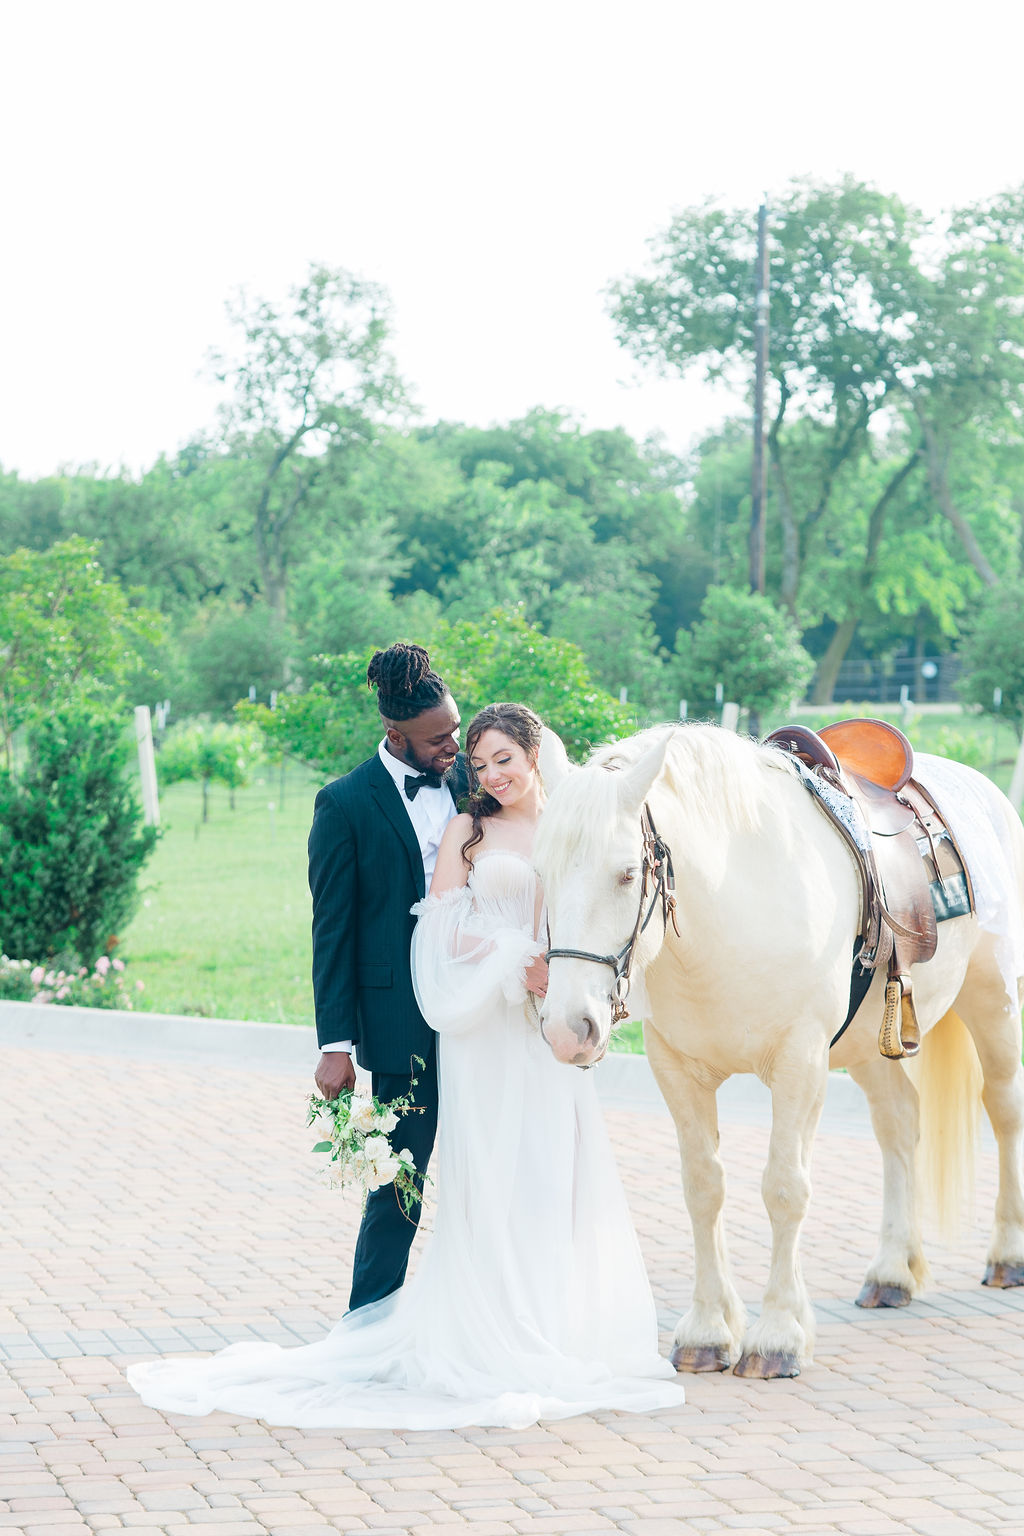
(758, 479)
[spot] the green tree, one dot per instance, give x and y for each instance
(745, 644)
(608, 615)
(218, 753)
(961, 369)
(308, 384)
(521, 545)
(348, 594)
(333, 723)
(504, 657)
(884, 329)
(881, 565)
(230, 648)
(993, 654)
(31, 512)
(66, 632)
(840, 259)
(625, 490)
(72, 839)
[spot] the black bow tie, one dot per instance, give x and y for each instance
(421, 781)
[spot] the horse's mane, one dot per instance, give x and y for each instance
(717, 781)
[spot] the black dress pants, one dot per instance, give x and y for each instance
(386, 1231)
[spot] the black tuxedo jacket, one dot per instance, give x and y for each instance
(365, 872)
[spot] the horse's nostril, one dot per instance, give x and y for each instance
(589, 1032)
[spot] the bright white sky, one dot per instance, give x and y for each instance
(495, 164)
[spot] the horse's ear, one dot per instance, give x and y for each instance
(553, 760)
(639, 778)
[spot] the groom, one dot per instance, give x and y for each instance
(372, 850)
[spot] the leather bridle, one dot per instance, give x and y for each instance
(659, 874)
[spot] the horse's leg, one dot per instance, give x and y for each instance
(706, 1337)
(899, 1270)
(994, 1023)
(782, 1338)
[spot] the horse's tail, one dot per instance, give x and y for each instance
(948, 1077)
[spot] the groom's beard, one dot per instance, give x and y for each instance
(426, 765)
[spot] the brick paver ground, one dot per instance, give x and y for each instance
(151, 1207)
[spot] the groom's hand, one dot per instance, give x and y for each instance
(335, 1071)
(537, 977)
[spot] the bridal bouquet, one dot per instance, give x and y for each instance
(359, 1143)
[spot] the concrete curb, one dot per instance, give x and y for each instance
(161, 1036)
(624, 1081)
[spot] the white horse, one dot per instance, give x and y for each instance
(758, 980)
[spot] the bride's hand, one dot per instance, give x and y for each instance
(335, 1071)
(537, 977)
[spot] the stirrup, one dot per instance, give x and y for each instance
(900, 1034)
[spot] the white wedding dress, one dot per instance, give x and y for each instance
(530, 1300)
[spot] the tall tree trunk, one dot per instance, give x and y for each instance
(835, 654)
(938, 479)
(828, 667)
(790, 576)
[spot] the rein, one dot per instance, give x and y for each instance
(658, 871)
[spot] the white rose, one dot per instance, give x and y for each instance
(385, 1171)
(377, 1147)
(362, 1117)
(387, 1121)
(405, 1156)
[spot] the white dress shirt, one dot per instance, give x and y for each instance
(430, 813)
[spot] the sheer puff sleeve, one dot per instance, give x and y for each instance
(469, 958)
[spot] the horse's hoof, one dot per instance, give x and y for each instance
(767, 1367)
(1004, 1275)
(700, 1357)
(875, 1295)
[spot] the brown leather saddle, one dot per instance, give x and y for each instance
(908, 860)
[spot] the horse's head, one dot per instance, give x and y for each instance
(590, 854)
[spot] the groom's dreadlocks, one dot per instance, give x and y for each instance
(404, 682)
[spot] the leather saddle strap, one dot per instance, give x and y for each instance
(919, 789)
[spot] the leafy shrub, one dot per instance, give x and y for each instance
(66, 631)
(993, 653)
(743, 642)
(209, 754)
(72, 839)
(504, 657)
(961, 746)
(333, 724)
(16, 984)
(103, 987)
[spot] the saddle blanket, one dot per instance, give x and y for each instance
(964, 797)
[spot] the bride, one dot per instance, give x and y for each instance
(531, 1300)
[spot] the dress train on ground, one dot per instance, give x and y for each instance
(531, 1300)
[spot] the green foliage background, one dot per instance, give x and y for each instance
(318, 519)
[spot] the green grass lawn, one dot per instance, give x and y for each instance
(223, 929)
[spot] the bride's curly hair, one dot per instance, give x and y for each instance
(520, 725)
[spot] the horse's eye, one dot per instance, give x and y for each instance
(627, 877)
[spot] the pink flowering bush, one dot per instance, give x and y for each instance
(16, 980)
(105, 986)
